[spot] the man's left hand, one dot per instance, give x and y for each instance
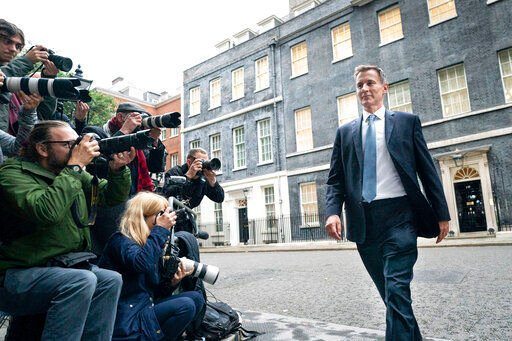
(81, 111)
(210, 176)
(29, 102)
(444, 227)
(119, 160)
(50, 70)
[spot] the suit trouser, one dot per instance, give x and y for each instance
(389, 253)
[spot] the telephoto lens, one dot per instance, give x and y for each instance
(171, 120)
(64, 88)
(62, 63)
(118, 144)
(207, 273)
(213, 164)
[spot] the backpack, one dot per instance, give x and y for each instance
(221, 321)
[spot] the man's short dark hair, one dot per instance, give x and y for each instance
(40, 133)
(364, 68)
(192, 152)
(11, 30)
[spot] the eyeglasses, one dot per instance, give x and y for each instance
(8, 41)
(69, 144)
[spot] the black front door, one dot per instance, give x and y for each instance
(470, 206)
(243, 225)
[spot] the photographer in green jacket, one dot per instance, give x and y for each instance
(44, 196)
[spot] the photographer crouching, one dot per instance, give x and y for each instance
(135, 252)
(201, 180)
(44, 233)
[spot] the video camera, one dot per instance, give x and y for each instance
(63, 88)
(172, 254)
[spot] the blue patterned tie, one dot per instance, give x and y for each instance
(370, 162)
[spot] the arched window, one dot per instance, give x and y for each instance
(466, 173)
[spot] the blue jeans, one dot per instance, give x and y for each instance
(176, 312)
(80, 304)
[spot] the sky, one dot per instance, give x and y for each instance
(147, 42)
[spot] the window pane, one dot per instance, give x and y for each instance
(195, 103)
(264, 141)
(505, 58)
(262, 80)
(441, 10)
(174, 159)
(215, 93)
(347, 108)
(454, 92)
(390, 25)
(303, 131)
(399, 97)
(215, 149)
(237, 83)
(299, 59)
(309, 205)
(239, 147)
(195, 144)
(341, 42)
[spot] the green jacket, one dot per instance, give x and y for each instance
(38, 207)
(20, 67)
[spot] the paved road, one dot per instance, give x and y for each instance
(459, 293)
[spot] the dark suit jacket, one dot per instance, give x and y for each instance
(411, 158)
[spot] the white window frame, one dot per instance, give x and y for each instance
(463, 89)
(383, 29)
(175, 132)
(305, 222)
(174, 159)
(239, 151)
(163, 134)
(430, 8)
(237, 84)
(508, 76)
(215, 93)
(341, 49)
(403, 95)
(264, 139)
(195, 144)
(347, 101)
(216, 148)
(270, 208)
(219, 220)
(304, 142)
(195, 101)
(261, 68)
(297, 61)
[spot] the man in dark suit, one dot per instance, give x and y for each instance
(375, 165)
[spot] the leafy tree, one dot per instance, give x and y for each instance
(102, 107)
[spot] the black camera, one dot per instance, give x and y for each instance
(62, 63)
(63, 88)
(112, 145)
(213, 164)
(170, 120)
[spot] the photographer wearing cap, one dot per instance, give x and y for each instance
(12, 41)
(44, 232)
(127, 119)
(200, 181)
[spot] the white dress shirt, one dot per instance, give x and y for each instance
(388, 181)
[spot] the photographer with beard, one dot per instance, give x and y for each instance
(200, 181)
(135, 252)
(44, 233)
(12, 41)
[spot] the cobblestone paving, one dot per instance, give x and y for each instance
(459, 293)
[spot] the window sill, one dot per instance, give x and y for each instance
(192, 115)
(258, 90)
(236, 99)
(334, 61)
(440, 22)
(211, 108)
(297, 76)
(392, 41)
(239, 169)
(265, 163)
(491, 1)
(310, 226)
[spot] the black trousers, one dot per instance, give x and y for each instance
(389, 253)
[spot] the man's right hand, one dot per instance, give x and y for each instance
(194, 168)
(334, 227)
(83, 153)
(132, 121)
(38, 53)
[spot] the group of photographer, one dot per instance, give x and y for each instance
(49, 199)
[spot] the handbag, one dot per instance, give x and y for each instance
(75, 260)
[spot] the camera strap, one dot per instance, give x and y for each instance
(93, 211)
